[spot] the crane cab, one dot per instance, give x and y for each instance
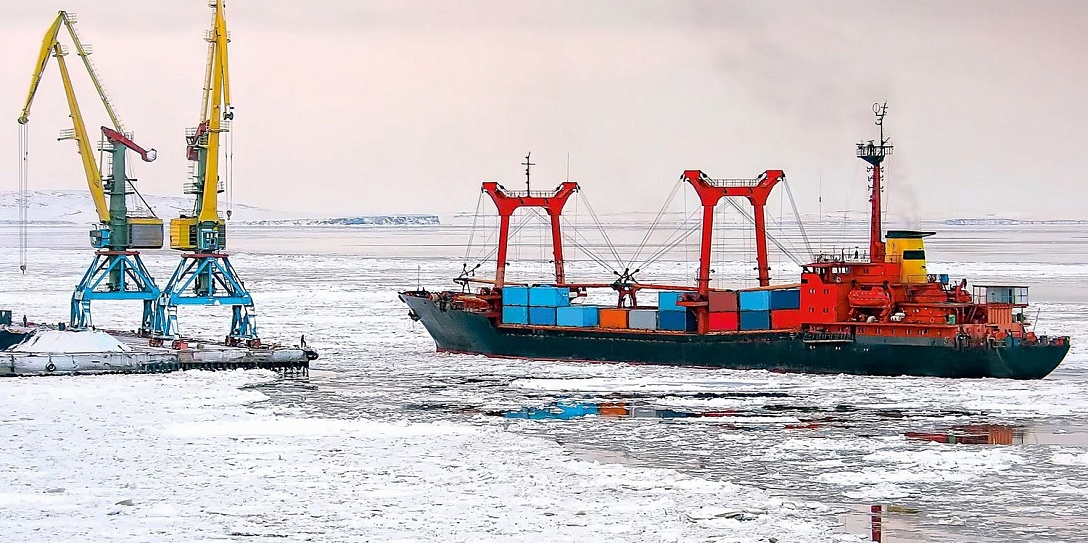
(189, 234)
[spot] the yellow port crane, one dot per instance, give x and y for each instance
(117, 272)
(205, 275)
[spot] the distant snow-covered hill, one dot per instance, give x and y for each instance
(75, 206)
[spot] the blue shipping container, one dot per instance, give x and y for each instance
(755, 320)
(515, 295)
(666, 301)
(786, 299)
(542, 315)
(549, 296)
(755, 300)
(676, 320)
(576, 315)
(515, 314)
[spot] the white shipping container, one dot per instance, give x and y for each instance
(642, 319)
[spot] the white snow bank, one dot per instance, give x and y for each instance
(55, 341)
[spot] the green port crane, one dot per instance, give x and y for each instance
(117, 271)
(204, 276)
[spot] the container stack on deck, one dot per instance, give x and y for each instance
(724, 311)
(613, 317)
(785, 309)
(534, 305)
(672, 316)
(581, 316)
(730, 311)
(755, 309)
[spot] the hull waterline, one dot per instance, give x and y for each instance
(461, 331)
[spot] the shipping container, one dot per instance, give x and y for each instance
(666, 301)
(544, 316)
(755, 320)
(512, 295)
(725, 321)
(723, 301)
(549, 296)
(515, 314)
(754, 300)
(642, 319)
(576, 315)
(785, 299)
(783, 319)
(677, 320)
(612, 317)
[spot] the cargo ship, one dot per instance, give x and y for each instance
(876, 312)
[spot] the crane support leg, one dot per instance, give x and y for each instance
(206, 279)
(114, 275)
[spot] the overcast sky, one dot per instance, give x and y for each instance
(346, 106)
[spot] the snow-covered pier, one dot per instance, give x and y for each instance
(46, 352)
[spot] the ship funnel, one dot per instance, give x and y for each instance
(908, 248)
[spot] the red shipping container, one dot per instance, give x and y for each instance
(723, 321)
(785, 319)
(721, 301)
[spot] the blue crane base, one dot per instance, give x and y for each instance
(206, 279)
(114, 275)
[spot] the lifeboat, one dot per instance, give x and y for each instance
(872, 297)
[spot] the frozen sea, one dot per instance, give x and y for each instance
(387, 440)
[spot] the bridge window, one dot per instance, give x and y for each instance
(914, 255)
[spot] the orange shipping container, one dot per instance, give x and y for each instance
(613, 318)
(725, 321)
(785, 319)
(613, 409)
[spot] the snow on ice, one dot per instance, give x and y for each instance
(66, 341)
(192, 456)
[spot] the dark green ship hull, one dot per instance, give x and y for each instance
(9, 338)
(471, 332)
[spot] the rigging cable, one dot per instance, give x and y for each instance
(24, 156)
(600, 228)
(573, 240)
(230, 169)
(475, 217)
(494, 250)
(671, 243)
(769, 237)
(657, 219)
(585, 246)
(664, 249)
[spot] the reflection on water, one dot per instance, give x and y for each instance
(567, 409)
(1000, 434)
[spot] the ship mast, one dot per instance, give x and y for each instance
(874, 154)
